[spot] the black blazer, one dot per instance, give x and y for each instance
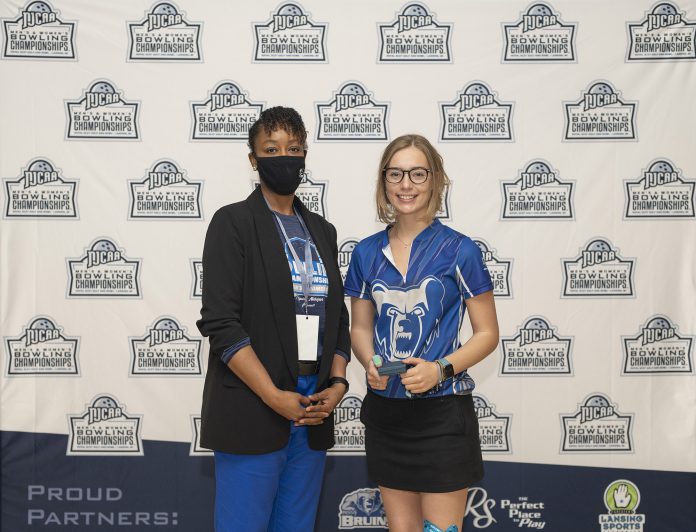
(247, 291)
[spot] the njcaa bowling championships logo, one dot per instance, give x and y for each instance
(362, 508)
(537, 194)
(197, 271)
(227, 114)
(494, 428)
(599, 271)
(40, 192)
(621, 499)
(105, 429)
(661, 192)
(196, 449)
(445, 212)
(349, 432)
(290, 36)
(597, 426)
(536, 350)
(345, 252)
(658, 349)
(165, 193)
(414, 36)
(311, 192)
(663, 35)
(352, 114)
(102, 113)
(539, 36)
(600, 114)
(104, 271)
(164, 35)
(165, 349)
(42, 349)
(38, 33)
(476, 115)
(499, 269)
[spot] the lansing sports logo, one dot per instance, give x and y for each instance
(661, 192)
(597, 426)
(621, 499)
(227, 114)
(42, 349)
(536, 350)
(40, 192)
(105, 429)
(345, 252)
(539, 36)
(476, 115)
(104, 271)
(498, 269)
(197, 271)
(102, 113)
(414, 36)
(362, 508)
(352, 114)
(600, 114)
(196, 449)
(537, 194)
(290, 36)
(599, 271)
(164, 35)
(165, 193)
(38, 33)
(349, 432)
(165, 349)
(658, 349)
(494, 428)
(663, 35)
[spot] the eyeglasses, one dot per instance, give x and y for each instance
(417, 175)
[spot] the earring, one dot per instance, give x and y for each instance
(253, 168)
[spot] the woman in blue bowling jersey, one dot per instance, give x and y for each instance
(274, 312)
(410, 287)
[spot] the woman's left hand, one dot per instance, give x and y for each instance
(326, 400)
(422, 376)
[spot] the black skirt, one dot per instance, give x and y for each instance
(426, 445)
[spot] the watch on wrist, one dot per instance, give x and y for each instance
(338, 380)
(446, 369)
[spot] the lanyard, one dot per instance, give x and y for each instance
(306, 270)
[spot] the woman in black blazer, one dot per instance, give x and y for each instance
(270, 270)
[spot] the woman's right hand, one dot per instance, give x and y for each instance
(374, 379)
(290, 405)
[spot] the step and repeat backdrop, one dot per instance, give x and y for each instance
(567, 128)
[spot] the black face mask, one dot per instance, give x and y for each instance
(282, 174)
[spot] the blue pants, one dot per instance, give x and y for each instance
(273, 492)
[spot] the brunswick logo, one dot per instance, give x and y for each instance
(40, 192)
(499, 269)
(664, 34)
(105, 429)
(621, 499)
(536, 350)
(38, 33)
(345, 252)
(196, 449)
(658, 350)
(165, 349)
(538, 194)
(599, 271)
(600, 114)
(494, 428)
(227, 114)
(476, 115)
(414, 36)
(352, 114)
(165, 193)
(164, 35)
(102, 113)
(290, 36)
(197, 270)
(539, 36)
(661, 192)
(362, 508)
(349, 432)
(597, 426)
(42, 349)
(104, 271)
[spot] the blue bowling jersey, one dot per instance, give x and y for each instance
(419, 315)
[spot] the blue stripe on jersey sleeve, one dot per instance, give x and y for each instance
(472, 273)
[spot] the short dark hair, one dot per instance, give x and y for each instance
(275, 118)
